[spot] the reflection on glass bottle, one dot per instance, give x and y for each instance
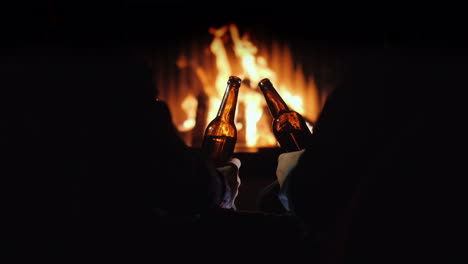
(289, 127)
(221, 133)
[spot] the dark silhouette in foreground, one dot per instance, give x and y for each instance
(96, 169)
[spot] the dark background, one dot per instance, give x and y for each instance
(328, 35)
(325, 36)
(146, 21)
(43, 159)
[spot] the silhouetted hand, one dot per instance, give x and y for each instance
(286, 162)
(231, 174)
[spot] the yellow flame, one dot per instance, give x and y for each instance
(222, 61)
(224, 70)
(189, 105)
(253, 113)
(293, 101)
(255, 68)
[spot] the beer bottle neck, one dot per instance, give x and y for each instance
(274, 101)
(227, 108)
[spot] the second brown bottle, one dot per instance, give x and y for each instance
(221, 133)
(289, 127)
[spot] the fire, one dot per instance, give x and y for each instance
(189, 105)
(235, 54)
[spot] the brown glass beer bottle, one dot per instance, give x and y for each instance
(289, 127)
(221, 133)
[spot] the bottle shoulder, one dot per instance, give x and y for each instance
(288, 115)
(217, 121)
(218, 127)
(289, 120)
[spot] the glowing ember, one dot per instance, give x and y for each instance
(237, 55)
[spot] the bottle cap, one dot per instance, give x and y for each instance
(264, 81)
(234, 79)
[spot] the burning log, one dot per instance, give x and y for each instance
(200, 120)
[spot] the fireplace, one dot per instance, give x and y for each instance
(191, 77)
(192, 66)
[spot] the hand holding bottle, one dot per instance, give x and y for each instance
(231, 174)
(292, 134)
(286, 162)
